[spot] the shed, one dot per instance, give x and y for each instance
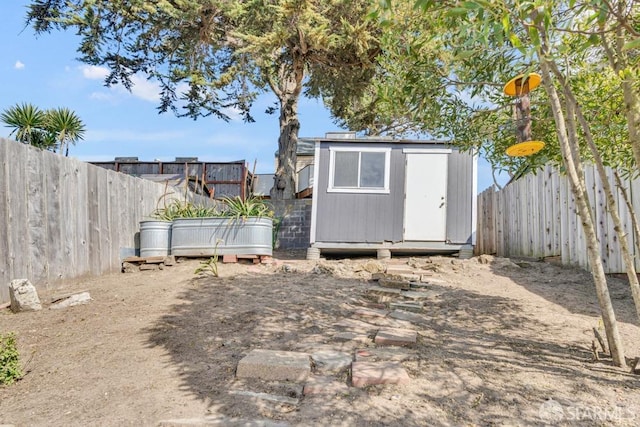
(388, 196)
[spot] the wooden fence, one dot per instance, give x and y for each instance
(61, 218)
(535, 216)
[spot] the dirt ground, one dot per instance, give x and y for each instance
(499, 343)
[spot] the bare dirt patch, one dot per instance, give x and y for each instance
(498, 344)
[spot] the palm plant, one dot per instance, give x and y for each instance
(53, 129)
(65, 126)
(28, 124)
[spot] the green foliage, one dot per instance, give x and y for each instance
(10, 370)
(233, 207)
(184, 209)
(250, 207)
(445, 63)
(210, 266)
(225, 53)
(53, 129)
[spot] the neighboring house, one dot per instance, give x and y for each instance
(385, 195)
(214, 179)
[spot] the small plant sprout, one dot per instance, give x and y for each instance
(210, 266)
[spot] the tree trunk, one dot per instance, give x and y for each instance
(284, 186)
(574, 108)
(287, 87)
(584, 212)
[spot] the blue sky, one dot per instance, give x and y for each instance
(42, 70)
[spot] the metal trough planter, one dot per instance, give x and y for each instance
(155, 238)
(234, 236)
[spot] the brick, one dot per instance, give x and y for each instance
(372, 373)
(391, 336)
(229, 258)
(271, 365)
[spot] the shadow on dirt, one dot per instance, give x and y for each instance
(577, 291)
(478, 359)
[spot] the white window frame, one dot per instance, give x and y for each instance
(369, 190)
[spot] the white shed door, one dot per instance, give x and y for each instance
(425, 197)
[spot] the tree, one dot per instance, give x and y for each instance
(65, 127)
(27, 122)
(53, 129)
(211, 55)
(479, 43)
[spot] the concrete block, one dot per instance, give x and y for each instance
(406, 316)
(371, 373)
(327, 361)
(415, 307)
(420, 295)
(76, 299)
(274, 365)
(394, 283)
(379, 290)
(23, 296)
(392, 336)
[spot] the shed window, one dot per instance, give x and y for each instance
(362, 170)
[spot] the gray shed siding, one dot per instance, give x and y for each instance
(460, 197)
(359, 217)
(376, 218)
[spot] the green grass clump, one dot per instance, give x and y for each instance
(9, 359)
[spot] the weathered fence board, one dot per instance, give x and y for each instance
(61, 218)
(5, 274)
(536, 216)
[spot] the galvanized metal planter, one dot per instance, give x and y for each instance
(243, 236)
(155, 238)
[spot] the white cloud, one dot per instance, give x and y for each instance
(93, 72)
(18, 65)
(234, 113)
(145, 89)
(142, 88)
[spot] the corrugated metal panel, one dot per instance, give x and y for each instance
(221, 236)
(460, 198)
(360, 217)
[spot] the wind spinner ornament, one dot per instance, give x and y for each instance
(520, 86)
